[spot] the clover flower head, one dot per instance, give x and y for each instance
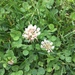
(11, 62)
(31, 32)
(46, 44)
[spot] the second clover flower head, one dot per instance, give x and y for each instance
(46, 44)
(31, 32)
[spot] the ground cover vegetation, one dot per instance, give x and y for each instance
(37, 37)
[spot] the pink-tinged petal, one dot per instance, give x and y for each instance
(34, 36)
(51, 43)
(41, 46)
(26, 30)
(45, 40)
(52, 47)
(30, 34)
(48, 51)
(30, 26)
(42, 42)
(35, 27)
(24, 35)
(32, 39)
(38, 29)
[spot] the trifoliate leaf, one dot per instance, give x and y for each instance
(15, 34)
(25, 52)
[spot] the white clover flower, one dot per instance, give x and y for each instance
(10, 62)
(46, 44)
(31, 32)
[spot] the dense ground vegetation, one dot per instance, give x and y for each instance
(55, 20)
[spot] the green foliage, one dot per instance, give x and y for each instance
(56, 20)
(72, 16)
(25, 52)
(15, 34)
(20, 72)
(2, 71)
